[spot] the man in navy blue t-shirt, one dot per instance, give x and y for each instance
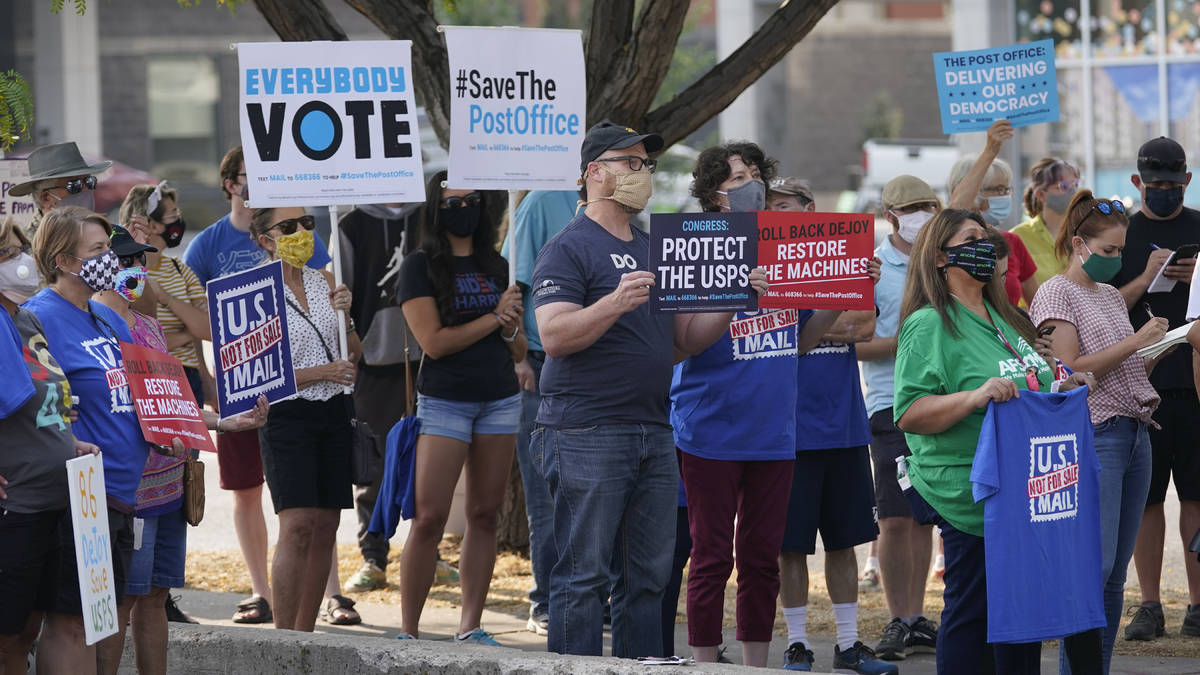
(603, 434)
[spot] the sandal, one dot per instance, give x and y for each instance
(253, 609)
(339, 611)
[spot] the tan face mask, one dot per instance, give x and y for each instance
(633, 189)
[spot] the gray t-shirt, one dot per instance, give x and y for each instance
(625, 376)
(37, 437)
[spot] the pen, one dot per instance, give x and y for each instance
(1154, 246)
(1146, 305)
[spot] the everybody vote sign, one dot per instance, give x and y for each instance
(327, 123)
(1017, 83)
(816, 260)
(517, 107)
(702, 262)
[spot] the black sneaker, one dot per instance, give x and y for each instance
(798, 657)
(922, 637)
(175, 614)
(1148, 622)
(893, 646)
(861, 659)
(1191, 622)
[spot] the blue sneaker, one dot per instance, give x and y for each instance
(798, 657)
(405, 636)
(861, 659)
(478, 636)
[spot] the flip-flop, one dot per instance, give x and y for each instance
(339, 611)
(254, 609)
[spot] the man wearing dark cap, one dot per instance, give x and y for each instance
(1163, 225)
(603, 435)
(59, 176)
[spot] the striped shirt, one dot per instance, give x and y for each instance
(176, 278)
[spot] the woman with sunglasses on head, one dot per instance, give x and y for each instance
(1089, 331)
(307, 441)
(1052, 184)
(455, 295)
(958, 329)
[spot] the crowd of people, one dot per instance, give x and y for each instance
(647, 442)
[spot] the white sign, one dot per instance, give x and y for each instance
(22, 209)
(518, 108)
(329, 123)
(93, 549)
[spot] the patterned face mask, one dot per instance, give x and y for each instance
(99, 272)
(130, 282)
(977, 258)
(296, 248)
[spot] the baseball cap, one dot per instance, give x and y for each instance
(124, 244)
(907, 190)
(793, 187)
(1162, 159)
(609, 136)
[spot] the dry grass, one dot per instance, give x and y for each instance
(224, 571)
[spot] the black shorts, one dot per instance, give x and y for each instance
(1175, 447)
(831, 493)
(888, 443)
(29, 553)
(306, 453)
(120, 537)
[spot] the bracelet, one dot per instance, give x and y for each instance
(218, 427)
(512, 337)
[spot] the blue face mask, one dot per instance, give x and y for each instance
(998, 209)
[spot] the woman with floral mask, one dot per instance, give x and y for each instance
(1091, 332)
(307, 440)
(1052, 184)
(467, 319)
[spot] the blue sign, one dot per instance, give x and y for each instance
(1015, 83)
(701, 261)
(248, 315)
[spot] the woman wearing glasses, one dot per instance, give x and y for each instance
(1052, 184)
(455, 295)
(1090, 332)
(307, 440)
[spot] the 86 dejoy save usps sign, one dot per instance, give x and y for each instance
(329, 123)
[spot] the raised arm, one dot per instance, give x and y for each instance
(966, 194)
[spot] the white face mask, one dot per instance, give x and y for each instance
(911, 223)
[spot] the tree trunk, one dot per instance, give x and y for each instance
(512, 530)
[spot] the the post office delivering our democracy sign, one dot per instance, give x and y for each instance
(328, 123)
(517, 108)
(1017, 83)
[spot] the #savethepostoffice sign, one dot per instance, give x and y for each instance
(518, 107)
(328, 123)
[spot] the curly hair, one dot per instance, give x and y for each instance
(712, 169)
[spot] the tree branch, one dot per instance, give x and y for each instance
(300, 20)
(717, 88)
(608, 33)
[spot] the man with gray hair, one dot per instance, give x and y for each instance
(59, 176)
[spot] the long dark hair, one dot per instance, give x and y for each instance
(439, 258)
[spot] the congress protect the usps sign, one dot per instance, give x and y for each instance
(329, 123)
(1017, 83)
(518, 107)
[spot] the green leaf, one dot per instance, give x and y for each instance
(16, 109)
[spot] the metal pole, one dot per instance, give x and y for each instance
(512, 243)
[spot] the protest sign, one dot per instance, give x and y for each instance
(701, 262)
(93, 548)
(22, 209)
(517, 107)
(163, 398)
(1016, 83)
(247, 312)
(816, 260)
(329, 123)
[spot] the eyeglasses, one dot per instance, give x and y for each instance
(9, 252)
(290, 225)
(471, 199)
(1065, 186)
(136, 259)
(997, 191)
(76, 185)
(635, 163)
(1104, 206)
(1156, 164)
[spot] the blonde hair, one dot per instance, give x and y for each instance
(136, 201)
(59, 234)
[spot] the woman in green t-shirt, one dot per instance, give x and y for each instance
(962, 345)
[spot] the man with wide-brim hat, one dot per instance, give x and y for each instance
(59, 176)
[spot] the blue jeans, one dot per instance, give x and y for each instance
(538, 506)
(615, 488)
(1123, 450)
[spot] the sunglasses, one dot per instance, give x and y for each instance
(290, 225)
(13, 251)
(635, 163)
(1104, 206)
(1156, 164)
(137, 259)
(472, 200)
(76, 185)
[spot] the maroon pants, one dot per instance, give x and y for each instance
(756, 493)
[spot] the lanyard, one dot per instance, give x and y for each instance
(1031, 372)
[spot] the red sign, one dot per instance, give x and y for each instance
(163, 398)
(816, 260)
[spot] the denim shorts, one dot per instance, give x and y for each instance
(160, 561)
(462, 419)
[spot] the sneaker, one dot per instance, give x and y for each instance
(893, 645)
(368, 578)
(478, 636)
(405, 636)
(539, 622)
(798, 657)
(861, 659)
(922, 637)
(868, 581)
(175, 614)
(1148, 622)
(1191, 622)
(445, 573)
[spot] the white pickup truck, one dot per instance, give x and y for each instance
(884, 159)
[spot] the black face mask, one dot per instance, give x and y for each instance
(976, 258)
(173, 234)
(460, 222)
(1162, 202)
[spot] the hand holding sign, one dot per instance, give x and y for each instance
(633, 291)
